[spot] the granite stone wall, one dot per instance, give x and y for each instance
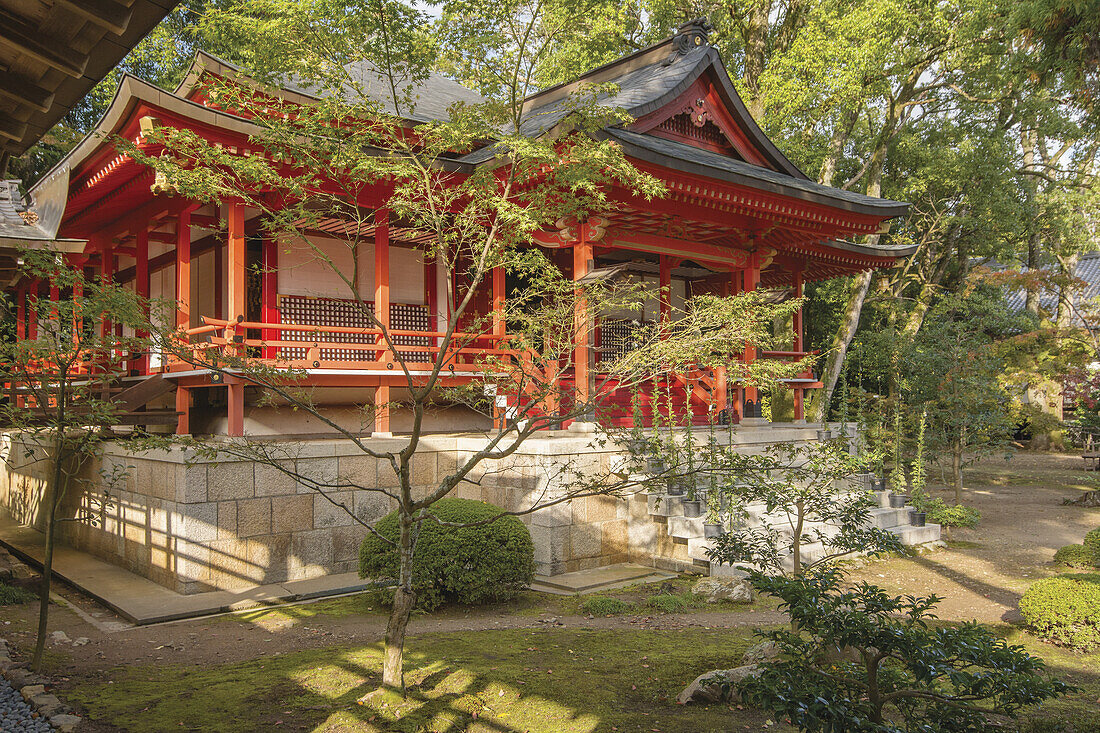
(195, 524)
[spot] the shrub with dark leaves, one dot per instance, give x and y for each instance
(863, 661)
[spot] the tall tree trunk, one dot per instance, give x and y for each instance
(404, 598)
(1028, 142)
(52, 497)
(858, 286)
(756, 54)
(956, 469)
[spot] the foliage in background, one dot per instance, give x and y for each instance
(862, 661)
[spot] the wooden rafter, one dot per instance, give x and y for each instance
(21, 36)
(25, 92)
(109, 14)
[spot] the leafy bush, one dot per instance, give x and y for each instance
(1065, 609)
(605, 606)
(470, 564)
(944, 514)
(864, 661)
(1092, 541)
(11, 595)
(1075, 556)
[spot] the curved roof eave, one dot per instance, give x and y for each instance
(131, 91)
(753, 176)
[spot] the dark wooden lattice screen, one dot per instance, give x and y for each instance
(618, 336)
(309, 311)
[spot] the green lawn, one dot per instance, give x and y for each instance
(542, 681)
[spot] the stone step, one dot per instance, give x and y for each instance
(910, 535)
(663, 505)
(885, 518)
(685, 527)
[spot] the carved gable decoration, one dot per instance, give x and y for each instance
(699, 118)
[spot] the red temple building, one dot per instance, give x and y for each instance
(738, 216)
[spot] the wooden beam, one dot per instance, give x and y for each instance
(724, 257)
(11, 129)
(109, 14)
(236, 263)
(183, 272)
(25, 92)
(25, 38)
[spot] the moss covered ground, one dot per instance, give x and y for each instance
(540, 681)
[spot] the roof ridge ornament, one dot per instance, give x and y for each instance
(689, 36)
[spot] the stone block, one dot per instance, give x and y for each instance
(198, 522)
(602, 508)
(292, 513)
(234, 480)
(65, 723)
(315, 473)
(272, 481)
(362, 471)
(370, 506)
(346, 542)
(233, 563)
(253, 517)
(227, 520)
(558, 515)
(423, 469)
(192, 560)
(551, 544)
(191, 483)
(614, 537)
(585, 540)
(328, 514)
(311, 554)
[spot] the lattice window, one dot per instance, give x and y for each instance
(619, 336)
(307, 311)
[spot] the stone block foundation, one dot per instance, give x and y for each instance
(194, 524)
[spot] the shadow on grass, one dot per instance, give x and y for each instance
(536, 680)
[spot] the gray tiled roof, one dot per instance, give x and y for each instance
(1087, 269)
(737, 171)
(428, 100)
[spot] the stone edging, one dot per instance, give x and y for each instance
(32, 688)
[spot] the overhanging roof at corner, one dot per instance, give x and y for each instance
(55, 51)
(689, 159)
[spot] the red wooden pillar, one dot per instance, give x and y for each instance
(270, 295)
(382, 314)
(236, 305)
(142, 287)
(665, 290)
(106, 277)
(498, 301)
(751, 278)
(582, 263)
(32, 309)
(183, 309)
(21, 312)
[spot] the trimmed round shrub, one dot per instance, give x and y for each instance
(470, 565)
(1065, 609)
(1076, 556)
(1092, 541)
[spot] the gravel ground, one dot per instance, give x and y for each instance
(17, 716)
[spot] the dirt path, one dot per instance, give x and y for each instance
(985, 570)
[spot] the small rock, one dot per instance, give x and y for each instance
(47, 704)
(717, 685)
(765, 651)
(30, 691)
(81, 641)
(18, 677)
(725, 589)
(65, 723)
(60, 637)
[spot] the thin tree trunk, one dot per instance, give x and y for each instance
(756, 52)
(404, 598)
(956, 470)
(796, 550)
(53, 495)
(1028, 141)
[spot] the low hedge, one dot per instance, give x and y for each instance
(1075, 556)
(1065, 609)
(470, 564)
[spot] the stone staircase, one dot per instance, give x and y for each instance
(668, 510)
